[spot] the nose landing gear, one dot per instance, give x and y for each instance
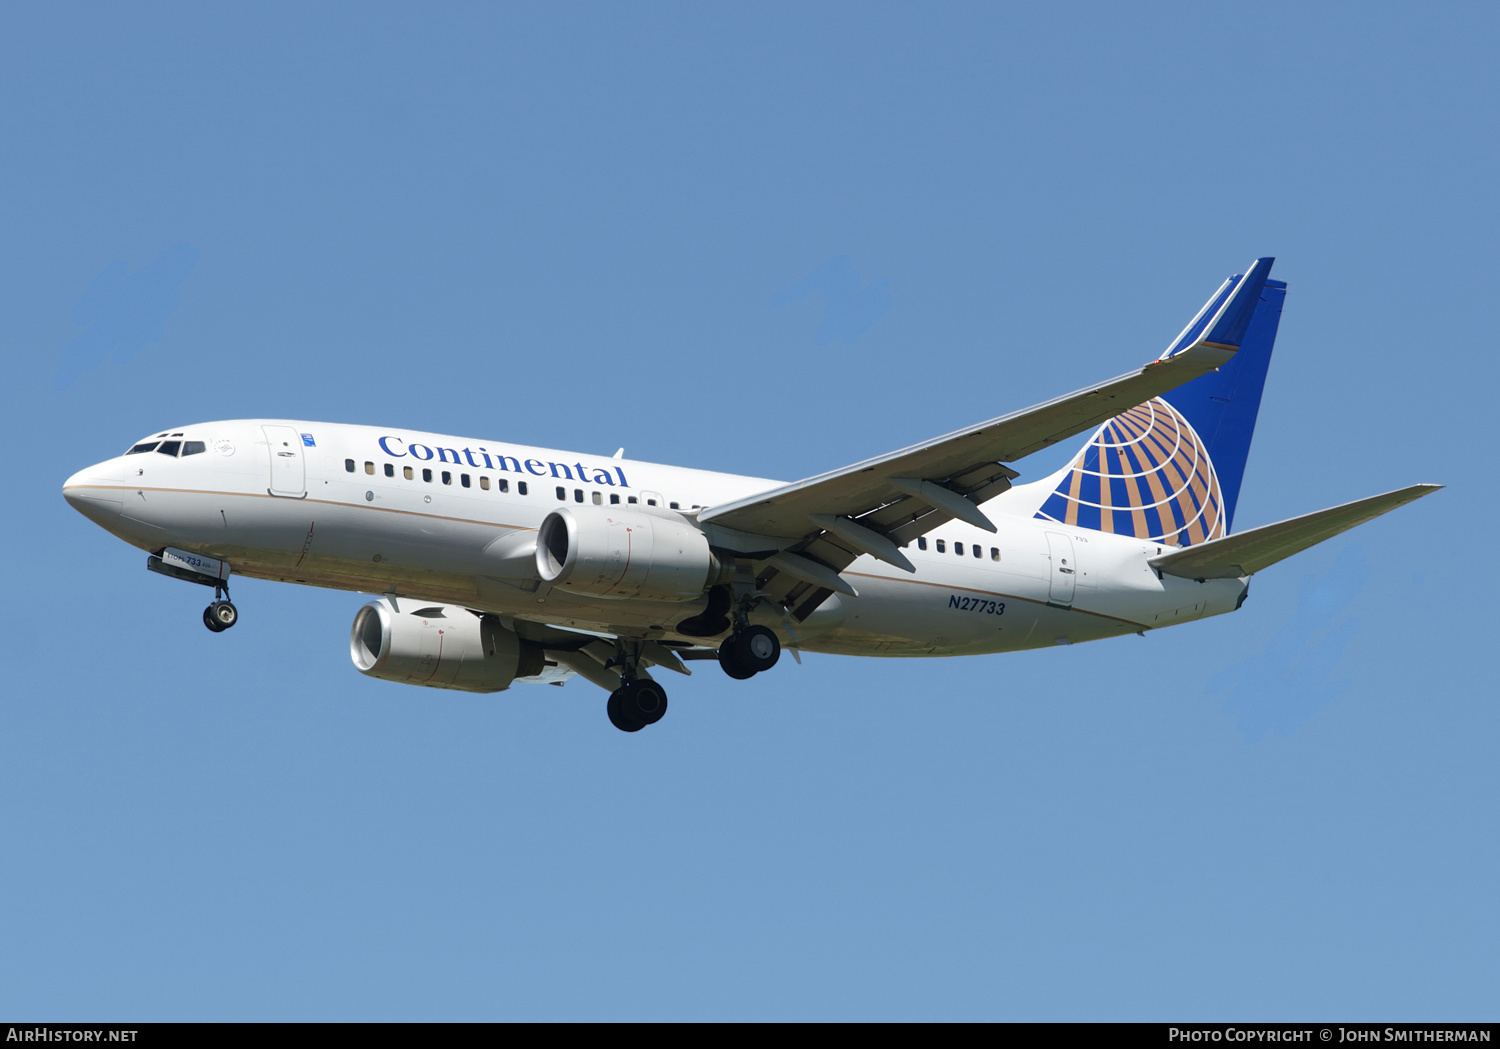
(221, 615)
(205, 571)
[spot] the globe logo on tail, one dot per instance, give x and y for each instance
(1145, 473)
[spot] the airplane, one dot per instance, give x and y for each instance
(497, 564)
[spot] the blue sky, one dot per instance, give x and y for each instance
(774, 240)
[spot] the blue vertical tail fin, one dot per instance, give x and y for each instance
(1222, 405)
(1170, 470)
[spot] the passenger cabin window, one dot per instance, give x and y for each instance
(598, 499)
(144, 446)
(349, 466)
(463, 479)
(427, 475)
(921, 542)
(447, 477)
(994, 553)
(503, 485)
(674, 506)
(562, 494)
(650, 502)
(958, 548)
(484, 484)
(941, 548)
(520, 487)
(630, 499)
(169, 447)
(193, 447)
(578, 495)
(614, 498)
(370, 469)
(390, 469)
(406, 472)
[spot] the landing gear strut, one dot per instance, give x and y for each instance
(747, 652)
(638, 701)
(221, 615)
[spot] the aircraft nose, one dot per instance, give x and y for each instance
(94, 494)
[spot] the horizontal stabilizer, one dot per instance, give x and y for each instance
(1246, 553)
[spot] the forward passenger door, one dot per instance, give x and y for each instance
(288, 471)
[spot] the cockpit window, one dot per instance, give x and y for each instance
(193, 447)
(144, 446)
(169, 447)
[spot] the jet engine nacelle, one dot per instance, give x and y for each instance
(440, 646)
(616, 552)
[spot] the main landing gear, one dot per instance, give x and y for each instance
(636, 704)
(748, 649)
(747, 652)
(638, 701)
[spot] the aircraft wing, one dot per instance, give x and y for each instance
(818, 526)
(968, 463)
(1246, 553)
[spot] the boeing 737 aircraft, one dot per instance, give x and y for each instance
(498, 563)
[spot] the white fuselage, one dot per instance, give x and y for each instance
(276, 507)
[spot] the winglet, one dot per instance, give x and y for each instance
(1224, 319)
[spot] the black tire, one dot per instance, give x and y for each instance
(644, 701)
(756, 648)
(225, 613)
(731, 662)
(209, 620)
(617, 716)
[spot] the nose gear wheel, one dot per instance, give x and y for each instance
(220, 616)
